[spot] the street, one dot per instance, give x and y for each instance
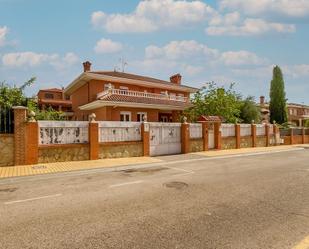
(242, 201)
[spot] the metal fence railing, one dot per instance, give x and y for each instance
(298, 131)
(6, 121)
(285, 132)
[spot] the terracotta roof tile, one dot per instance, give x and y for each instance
(133, 99)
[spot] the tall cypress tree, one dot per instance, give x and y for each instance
(277, 105)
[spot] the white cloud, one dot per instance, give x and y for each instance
(3, 33)
(180, 49)
(105, 46)
(250, 26)
(194, 51)
(117, 23)
(192, 70)
(232, 58)
(32, 59)
(296, 8)
(152, 15)
(297, 71)
(228, 19)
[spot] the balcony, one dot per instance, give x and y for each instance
(142, 95)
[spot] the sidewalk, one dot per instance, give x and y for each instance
(48, 168)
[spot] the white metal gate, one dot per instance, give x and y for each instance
(211, 137)
(165, 139)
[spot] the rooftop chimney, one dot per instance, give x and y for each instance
(262, 100)
(87, 66)
(176, 79)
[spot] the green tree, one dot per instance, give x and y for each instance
(250, 111)
(48, 114)
(213, 100)
(277, 105)
(13, 96)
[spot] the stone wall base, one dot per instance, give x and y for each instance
(6, 150)
(59, 153)
(117, 150)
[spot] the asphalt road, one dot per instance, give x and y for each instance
(257, 201)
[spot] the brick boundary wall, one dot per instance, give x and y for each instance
(27, 150)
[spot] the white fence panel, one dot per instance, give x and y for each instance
(260, 130)
(110, 131)
(228, 130)
(165, 138)
(245, 130)
(196, 131)
(63, 132)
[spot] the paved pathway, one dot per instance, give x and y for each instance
(48, 168)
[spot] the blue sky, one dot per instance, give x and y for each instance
(223, 41)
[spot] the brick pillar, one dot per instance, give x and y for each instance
(93, 134)
(205, 136)
(217, 133)
(20, 118)
(277, 134)
(185, 138)
(303, 135)
(32, 143)
(267, 135)
(253, 134)
(237, 134)
(292, 136)
(145, 129)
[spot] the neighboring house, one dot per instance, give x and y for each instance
(118, 96)
(297, 113)
(56, 99)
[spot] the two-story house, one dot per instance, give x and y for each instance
(118, 96)
(56, 99)
(297, 113)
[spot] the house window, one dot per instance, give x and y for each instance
(180, 96)
(49, 95)
(125, 116)
(140, 116)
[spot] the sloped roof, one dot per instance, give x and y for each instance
(130, 76)
(203, 118)
(134, 99)
(125, 78)
(52, 90)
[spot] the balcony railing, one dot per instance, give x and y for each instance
(141, 95)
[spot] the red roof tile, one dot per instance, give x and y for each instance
(133, 99)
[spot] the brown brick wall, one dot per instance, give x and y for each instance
(306, 139)
(298, 139)
(20, 135)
